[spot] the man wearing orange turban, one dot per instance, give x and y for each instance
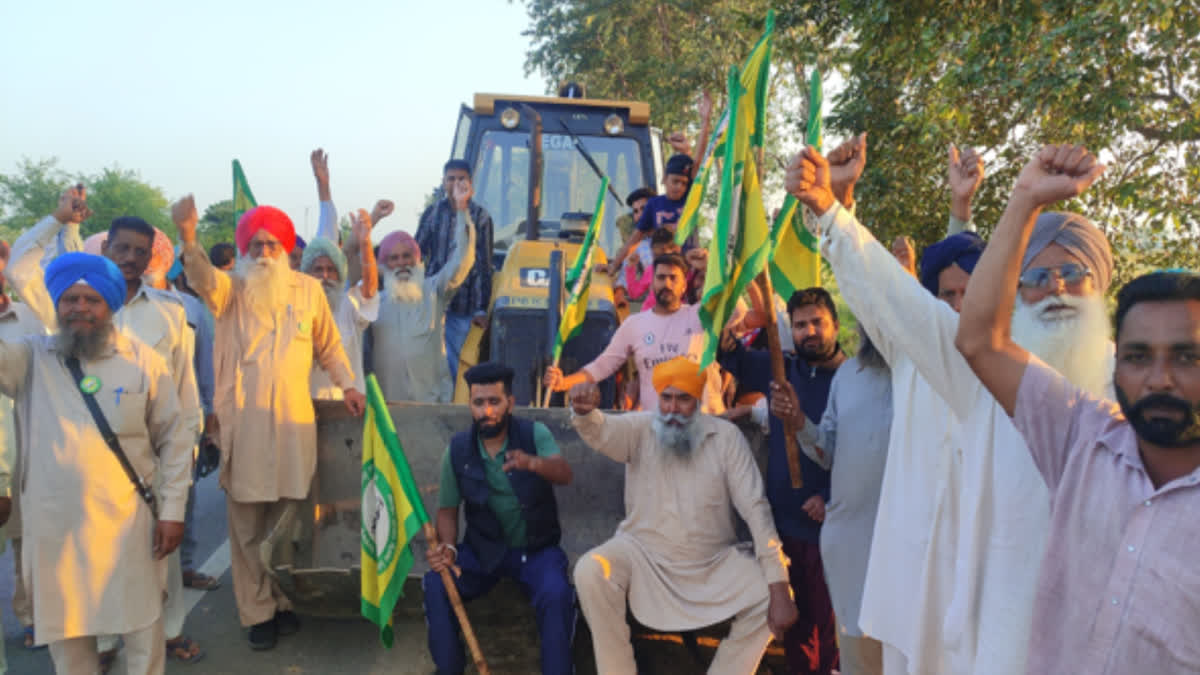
(271, 323)
(686, 474)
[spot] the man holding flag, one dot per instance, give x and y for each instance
(503, 471)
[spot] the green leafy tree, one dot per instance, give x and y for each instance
(217, 224)
(1119, 76)
(28, 194)
(116, 192)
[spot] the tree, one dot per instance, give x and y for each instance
(28, 194)
(217, 224)
(1120, 76)
(116, 192)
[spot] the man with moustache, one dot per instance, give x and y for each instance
(1000, 510)
(668, 330)
(354, 308)
(90, 563)
(1118, 590)
(271, 322)
(502, 472)
(810, 645)
(409, 357)
(675, 561)
(154, 316)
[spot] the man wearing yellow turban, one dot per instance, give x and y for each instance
(686, 474)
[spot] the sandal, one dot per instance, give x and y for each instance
(200, 582)
(107, 659)
(184, 650)
(30, 641)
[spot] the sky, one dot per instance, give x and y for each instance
(175, 91)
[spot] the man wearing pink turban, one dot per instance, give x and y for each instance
(271, 323)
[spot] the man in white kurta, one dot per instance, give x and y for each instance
(675, 560)
(998, 503)
(89, 559)
(408, 339)
(271, 325)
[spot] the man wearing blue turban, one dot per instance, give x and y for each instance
(84, 527)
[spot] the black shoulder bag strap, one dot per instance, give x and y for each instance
(110, 438)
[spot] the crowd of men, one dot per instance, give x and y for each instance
(991, 484)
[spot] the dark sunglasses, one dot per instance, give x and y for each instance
(1045, 277)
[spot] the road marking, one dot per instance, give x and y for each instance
(215, 566)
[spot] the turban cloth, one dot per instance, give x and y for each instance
(96, 271)
(394, 239)
(268, 218)
(1074, 233)
(162, 256)
(680, 373)
(95, 243)
(300, 243)
(962, 249)
(323, 247)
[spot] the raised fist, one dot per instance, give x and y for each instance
(383, 209)
(679, 142)
(808, 179)
(585, 397)
(360, 225)
(846, 164)
(320, 165)
(966, 172)
(1056, 173)
(72, 205)
(183, 214)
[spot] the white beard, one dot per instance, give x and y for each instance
(678, 440)
(410, 290)
(333, 294)
(1073, 338)
(265, 282)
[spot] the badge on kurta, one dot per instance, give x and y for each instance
(303, 327)
(89, 384)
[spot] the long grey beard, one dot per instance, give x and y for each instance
(410, 291)
(333, 294)
(1075, 342)
(85, 346)
(266, 280)
(676, 438)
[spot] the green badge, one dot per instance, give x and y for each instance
(90, 384)
(303, 327)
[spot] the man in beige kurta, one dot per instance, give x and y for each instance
(153, 316)
(271, 324)
(675, 559)
(89, 561)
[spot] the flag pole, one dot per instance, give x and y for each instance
(778, 369)
(549, 390)
(431, 539)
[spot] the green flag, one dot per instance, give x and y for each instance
(579, 279)
(795, 263)
(392, 514)
(243, 198)
(741, 240)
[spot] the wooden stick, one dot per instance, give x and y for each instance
(779, 374)
(431, 539)
(549, 390)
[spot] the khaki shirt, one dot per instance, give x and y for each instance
(16, 322)
(262, 369)
(87, 553)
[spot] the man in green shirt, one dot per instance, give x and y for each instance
(502, 471)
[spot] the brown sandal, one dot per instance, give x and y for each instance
(184, 650)
(200, 582)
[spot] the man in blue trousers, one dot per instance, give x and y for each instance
(502, 471)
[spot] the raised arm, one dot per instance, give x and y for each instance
(327, 221)
(214, 286)
(614, 436)
(966, 173)
(360, 229)
(462, 254)
(1056, 173)
(881, 293)
(16, 356)
(25, 271)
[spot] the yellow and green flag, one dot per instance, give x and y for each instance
(741, 242)
(243, 198)
(795, 262)
(392, 514)
(579, 279)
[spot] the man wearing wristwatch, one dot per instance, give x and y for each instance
(502, 471)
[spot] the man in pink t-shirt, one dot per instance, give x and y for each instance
(668, 330)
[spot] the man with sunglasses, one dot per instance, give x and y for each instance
(1118, 590)
(978, 621)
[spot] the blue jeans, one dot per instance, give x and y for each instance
(457, 327)
(543, 577)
